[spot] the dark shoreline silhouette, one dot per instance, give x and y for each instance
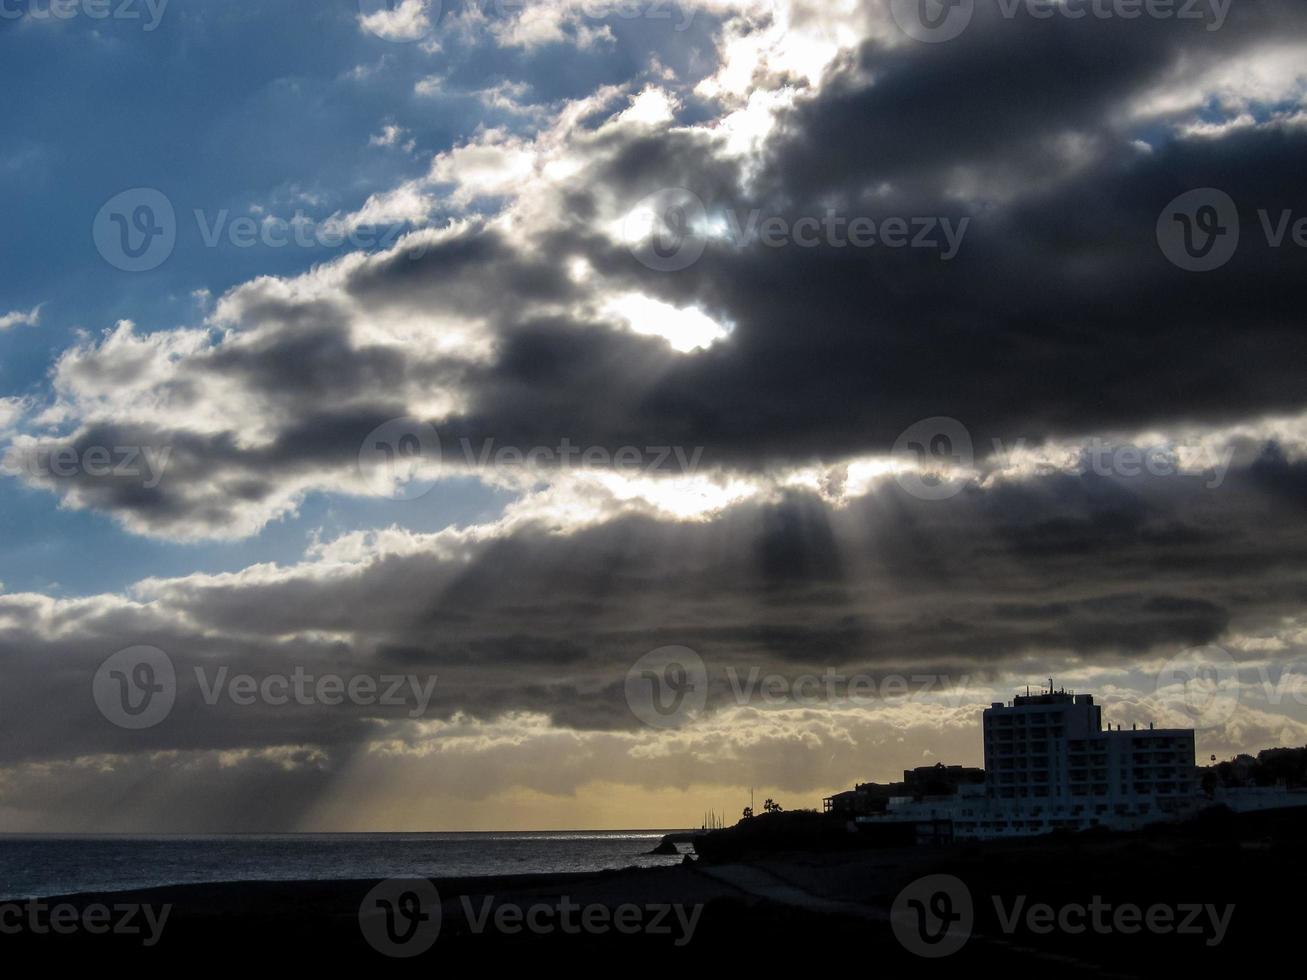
(1254, 863)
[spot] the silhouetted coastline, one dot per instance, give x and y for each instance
(1246, 867)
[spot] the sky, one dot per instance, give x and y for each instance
(549, 414)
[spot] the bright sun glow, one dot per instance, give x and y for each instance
(686, 329)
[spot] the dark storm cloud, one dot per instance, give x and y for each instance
(1097, 568)
(998, 97)
(1059, 315)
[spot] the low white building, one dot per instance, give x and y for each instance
(1247, 799)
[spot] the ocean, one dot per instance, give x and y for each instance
(33, 866)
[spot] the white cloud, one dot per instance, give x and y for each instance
(393, 135)
(495, 165)
(11, 410)
(410, 20)
(19, 318)
(1238, 85)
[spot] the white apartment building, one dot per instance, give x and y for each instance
(1050, 765)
